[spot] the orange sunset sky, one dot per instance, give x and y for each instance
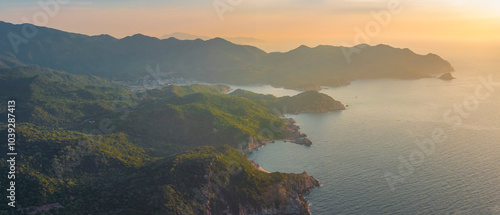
(281, 25)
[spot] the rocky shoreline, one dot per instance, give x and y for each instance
(290, 196)
(292, 134)
(293, 200)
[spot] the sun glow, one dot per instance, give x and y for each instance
(280, 25)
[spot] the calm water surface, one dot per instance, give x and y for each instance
(353, 149)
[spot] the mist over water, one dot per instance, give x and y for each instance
(353, 149)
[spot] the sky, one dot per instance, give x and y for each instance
(280, 25)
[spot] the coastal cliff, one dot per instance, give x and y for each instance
(209, 180)
(290, 131)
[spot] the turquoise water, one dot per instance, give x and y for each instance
(354, 149)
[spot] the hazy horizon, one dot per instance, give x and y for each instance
(423, 26)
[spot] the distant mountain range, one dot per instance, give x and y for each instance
(184, 36)
(215, 60)
(237, 40)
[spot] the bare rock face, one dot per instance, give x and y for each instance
(292, 134)
(446, 76)
(228, 187)
(285, 197)
(209, 180)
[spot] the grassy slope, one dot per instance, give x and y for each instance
(55, 98)
(177, 124)
(52, 162)
(309, 101)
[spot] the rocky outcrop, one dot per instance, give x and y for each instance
(291, 132)
(220, 180)
(206, 180)
(446, 76)
(287, 197)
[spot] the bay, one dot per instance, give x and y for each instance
(354, 150)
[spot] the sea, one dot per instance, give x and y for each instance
(425, 146)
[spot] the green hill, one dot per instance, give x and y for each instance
(306, 102)
(51, 163)
(49, 97)
(174, 125)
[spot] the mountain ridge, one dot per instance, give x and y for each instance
(215, 61)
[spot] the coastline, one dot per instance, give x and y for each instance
(292, 134)
(257, 166)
